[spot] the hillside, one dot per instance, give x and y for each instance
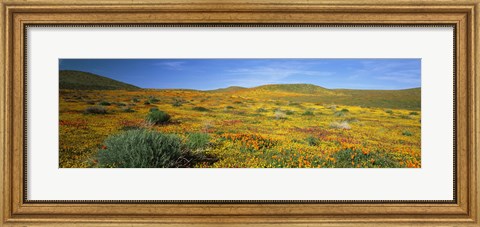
(294, 88)
(403, 99)
(228, 89)
(78, 80)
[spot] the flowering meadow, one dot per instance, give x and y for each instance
(245, 128)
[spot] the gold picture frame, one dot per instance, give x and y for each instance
(16, 15)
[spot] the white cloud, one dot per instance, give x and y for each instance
(401, 72)
(172, 65)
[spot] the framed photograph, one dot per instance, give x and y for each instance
(265, 113)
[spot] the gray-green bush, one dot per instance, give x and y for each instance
(157, 117)
(197, 141)
(140, 149)
(308, 113)
(200, 108)
(95, 110)
(104, 103)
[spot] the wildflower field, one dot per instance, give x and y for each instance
(273, 126)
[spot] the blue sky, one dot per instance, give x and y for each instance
(206, 74)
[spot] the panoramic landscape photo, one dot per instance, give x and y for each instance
(239, 113)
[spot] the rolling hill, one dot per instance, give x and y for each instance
(402, 99)
(78, 80)
(405, 99)
(294, 88)
(228, 89)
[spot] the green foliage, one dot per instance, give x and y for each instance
(344, 110)
(200, 108)
(407, 133)
(289, 112)
(152, 99)
(77, 80)
(104, 103)
(261, 110)
(308, 113)
(177, 102)
(389, 111)
(146, 102)
(413, 113)
(120, 104)
(229, 107)
(128, 110)
(135, 100)
(153, 109)
(140, 149)
(350, 158)
(157, 117)
(339, 114)
(197, 141)
(312, 141)
(294, 104)
(95, 110)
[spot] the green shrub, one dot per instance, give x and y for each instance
(152, 99)
(104, 103)
(407, 133)
(157, 117)
(389, 111)
(308, 113)
(339, 114)
(201, 109)
(177, 102)
(351, 158)
(229, 107)
(146, 103)
(95, 110)
(120, 104)
(153, 109)
(345, 110)
(312, 141)
(414, 113)
(140, 149)
(128, 110)
(197, 141)
(237, 102)
(135, 100)
(289, 112)
(260, 110)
